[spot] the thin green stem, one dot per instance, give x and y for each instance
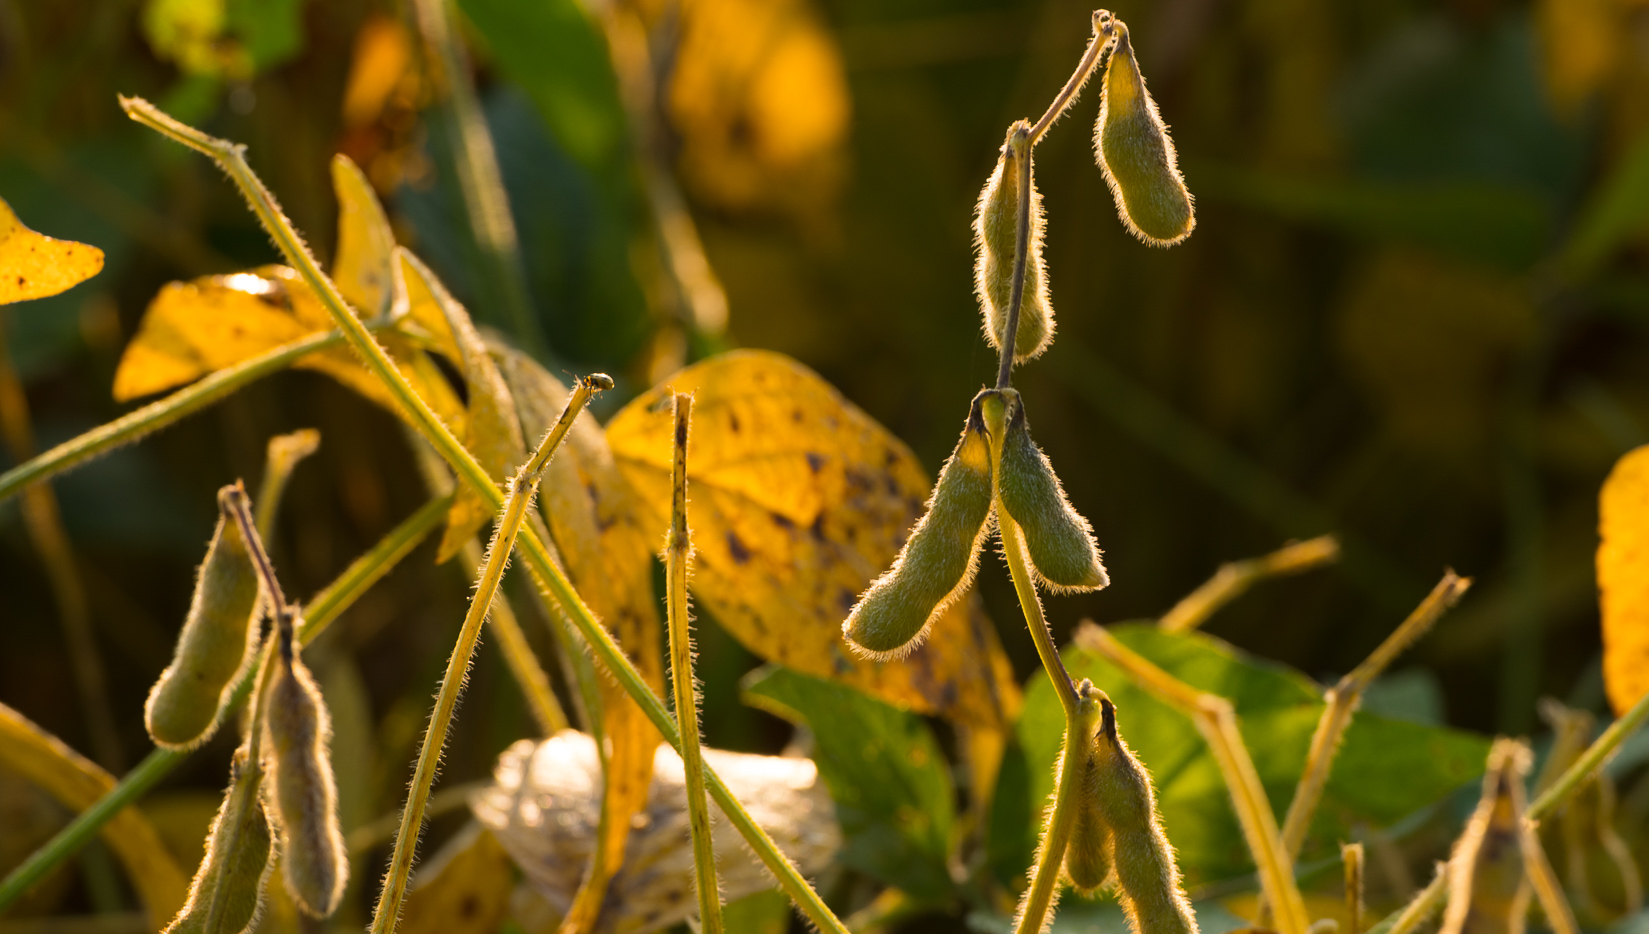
(1233, 579)
(283, 455)
(522, 489)
(1019, 143)
(326, 607)
(548, 576)
(1589, 762)
(161, 413)
(1094, 59)
(518, 653)
(1351, 854)
(486, 203)
(1038, 900)
(1013, 548)
(1425, 903)
(677, 553)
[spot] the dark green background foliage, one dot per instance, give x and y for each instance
(1413, 313)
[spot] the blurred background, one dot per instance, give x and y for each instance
(1415, 310)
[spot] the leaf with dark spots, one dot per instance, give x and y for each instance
(735, 547)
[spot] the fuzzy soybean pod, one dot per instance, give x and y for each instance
(995, 234)
(1148, 880)
(217, 639)
(938, 560)
(297, 734)
(1088, 855)
(227, 890)
(1137, 155)
(1060, 541)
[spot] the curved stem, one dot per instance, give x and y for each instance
(1094, 59)
(1233, 579)
(548, 576)
(522, 489)
(1013, 548)
(157, 415)
(677, 553)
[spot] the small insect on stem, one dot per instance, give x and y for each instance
(678, 554)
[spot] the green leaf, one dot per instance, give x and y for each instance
(1616, 212)
(1385, 770)
(555, 51)
(885, 772)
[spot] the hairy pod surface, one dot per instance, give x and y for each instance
(227, 890)
(1060, 541)
(1148, 880)
(1134, 149)
(298, 731)
(938, 560)
(1088, 855)
(995, 233)
(217, 639)
(1489, 887)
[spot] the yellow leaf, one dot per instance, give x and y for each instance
(608, 547)
(464, 889)
(798, 500)
(361, 268)
(197, 327)
(77, 783)
(1583, 43)
(382, 53)
(494, 433)
(1623, 579)
(34, 265)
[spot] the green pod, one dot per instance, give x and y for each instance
(1060, 541)
(938, 560)
(1088, 855)
(227, 890)
(1137, 155)
(1148, 880)
(217, 640)
(995, 233)
(297, 734)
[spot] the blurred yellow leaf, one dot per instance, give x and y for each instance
(798, 499)
(194, 328)
(464, 889)
(760, 98)
(494, 430)
(34, 266)
(1623, 579)
(383, 51)
(1582, 42)
(78, 783)
(607, 545)
(361, 267)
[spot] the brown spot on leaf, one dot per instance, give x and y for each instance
(736, 548)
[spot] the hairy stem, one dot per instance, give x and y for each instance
(1038, 900)
(518, 654)
(1589, 762)
(1021, 145)
(1217, 721)
(677, 553)
(1351, 854)
(161, 413)
(1425, 903)
(1094, 59)
(326, 607)
(1234, 578)
(283, 455)
(546, 574)
(522, 489)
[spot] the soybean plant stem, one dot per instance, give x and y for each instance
(1020, 144)
(1427, 902)
(522, 489)
(1589, 762)
(548, 576)
(1351, 854)
(1094, 59)
(161, 413)
(1217, 721)
(1013, 548)
(1233, 579)
(518, 654)
(678, 552)
(320, 612)
(1344, 698)
(1056, 834)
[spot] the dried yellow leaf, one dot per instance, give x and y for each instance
(77, 784)
(799, 500)
(464, 889)
(1623, 579)
(361, 267)
(34, 265)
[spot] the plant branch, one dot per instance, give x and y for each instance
(1425, 903)
(321, 611)
(518, 654)
(547, 575)
(282, 456)
(1589, 762)
(161, 413)
(1094, 59)
(1233, 579)
(523, 487)
(1020, 144)
(678, 552)
(1217, 721)
(1033, 910)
